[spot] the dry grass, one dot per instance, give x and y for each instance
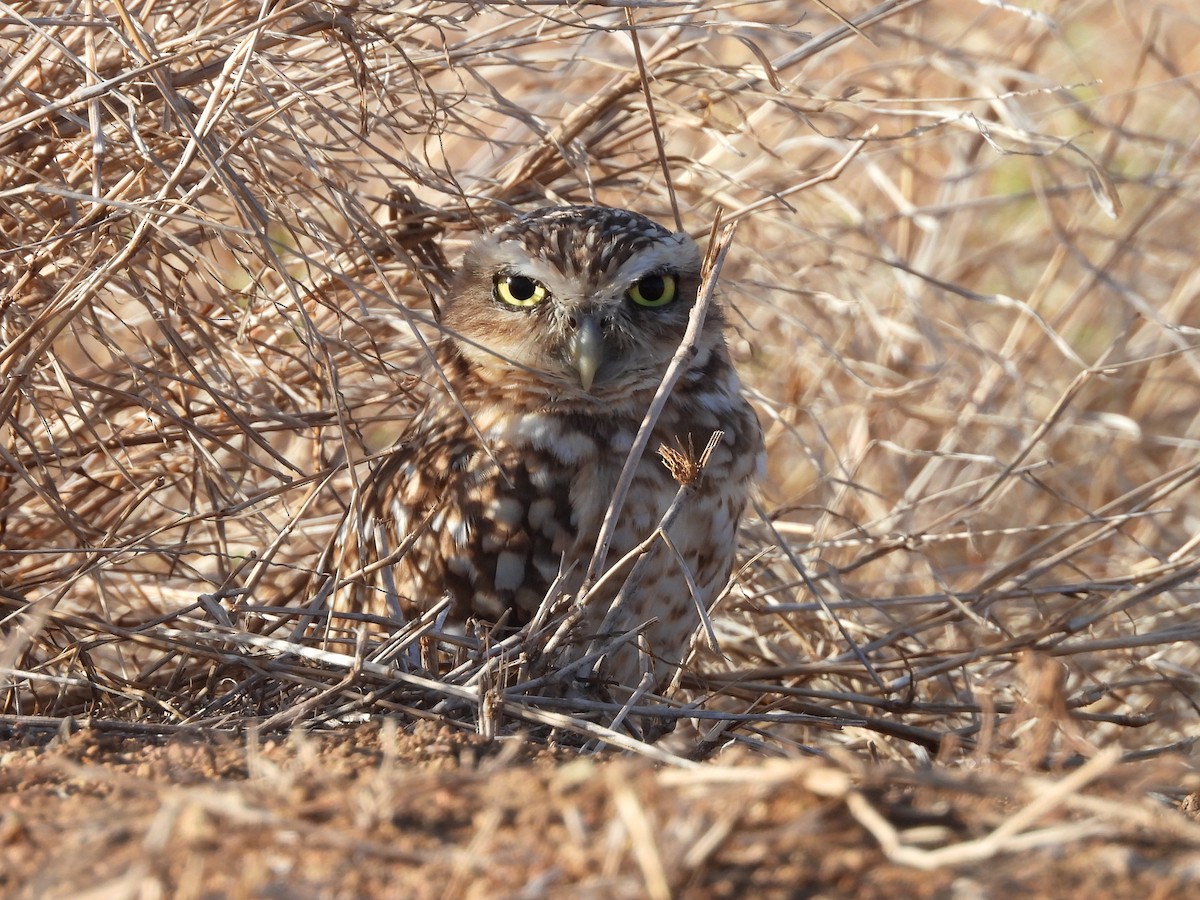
(384, 812)
(964, 300)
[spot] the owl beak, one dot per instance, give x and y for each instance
(585, 350)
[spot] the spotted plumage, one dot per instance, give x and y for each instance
(559, 328)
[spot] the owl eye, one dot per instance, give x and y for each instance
(653, 291)
(518, 290)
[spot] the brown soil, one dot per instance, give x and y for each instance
(379, 811)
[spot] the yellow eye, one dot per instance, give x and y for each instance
(653, 290)
(517, 290)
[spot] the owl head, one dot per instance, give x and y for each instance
(580, 302)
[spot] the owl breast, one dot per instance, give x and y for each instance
(491, 515)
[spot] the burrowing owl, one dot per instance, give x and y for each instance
(558, 331)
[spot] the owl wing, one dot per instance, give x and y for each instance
(451, 512)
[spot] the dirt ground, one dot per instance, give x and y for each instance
(383, 811)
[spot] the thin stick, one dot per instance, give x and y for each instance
(717, 249)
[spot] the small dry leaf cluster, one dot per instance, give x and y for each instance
(962, 296)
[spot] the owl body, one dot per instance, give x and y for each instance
(560, 327)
